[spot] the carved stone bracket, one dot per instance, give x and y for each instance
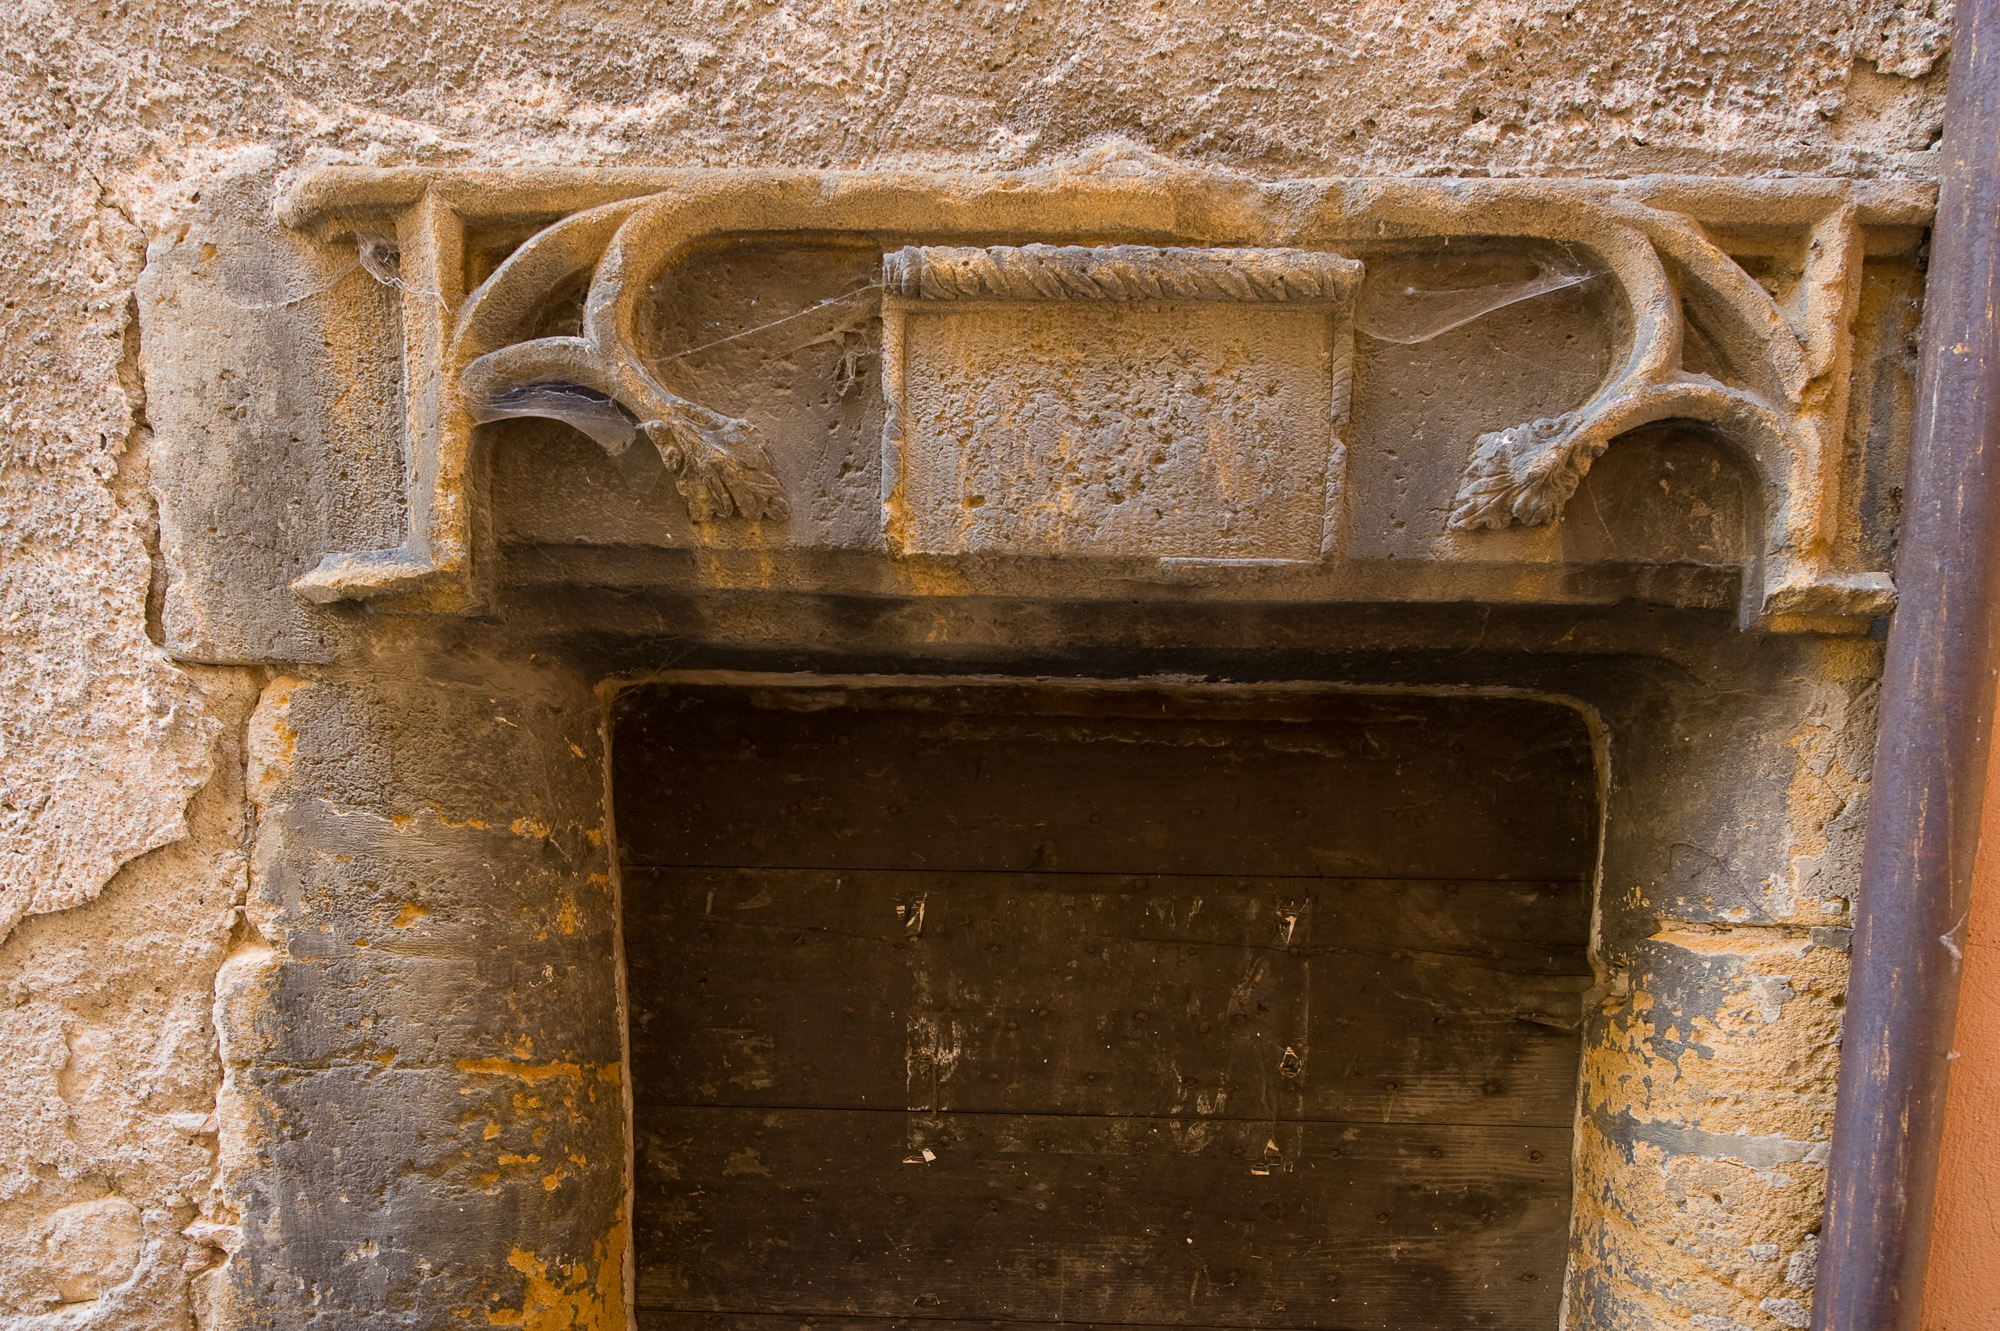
(1788, 414)
(1159, 235)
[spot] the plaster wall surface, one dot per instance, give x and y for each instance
(124, 808)
(1962, 1291)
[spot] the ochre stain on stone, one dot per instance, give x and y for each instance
(271, 741)
(528, 1072)
(571, 1297)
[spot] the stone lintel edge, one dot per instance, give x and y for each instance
(325, 198)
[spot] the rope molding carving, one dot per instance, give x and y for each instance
(1784, 409)
(1116, 272)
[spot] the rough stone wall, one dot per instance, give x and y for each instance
(118, 896)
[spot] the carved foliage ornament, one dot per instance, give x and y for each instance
(1784, 406)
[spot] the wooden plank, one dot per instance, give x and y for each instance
(1231, 1013)
(1092, 994)
(755, 987)
(1346, 785)
(652, 1319)
(1069, 1219)
(669, 1320)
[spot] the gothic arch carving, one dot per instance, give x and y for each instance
(1784, 404)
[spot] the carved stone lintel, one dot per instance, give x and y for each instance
(1783, 406)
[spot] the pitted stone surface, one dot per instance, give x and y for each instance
(1197, 429)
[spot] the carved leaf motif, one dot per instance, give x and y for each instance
(718, 463)
(1523, 474)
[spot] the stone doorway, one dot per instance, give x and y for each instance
(424, 1116)
(1000, 1002)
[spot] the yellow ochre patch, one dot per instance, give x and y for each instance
(571, 1298)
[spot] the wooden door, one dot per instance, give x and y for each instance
(992, 1005)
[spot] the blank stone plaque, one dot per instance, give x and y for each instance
(1123, 401)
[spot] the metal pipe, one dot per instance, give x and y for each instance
(1930, 755)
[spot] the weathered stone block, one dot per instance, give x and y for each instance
(1124, 401)
(274, 381)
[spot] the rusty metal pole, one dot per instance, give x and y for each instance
(1930, 757)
